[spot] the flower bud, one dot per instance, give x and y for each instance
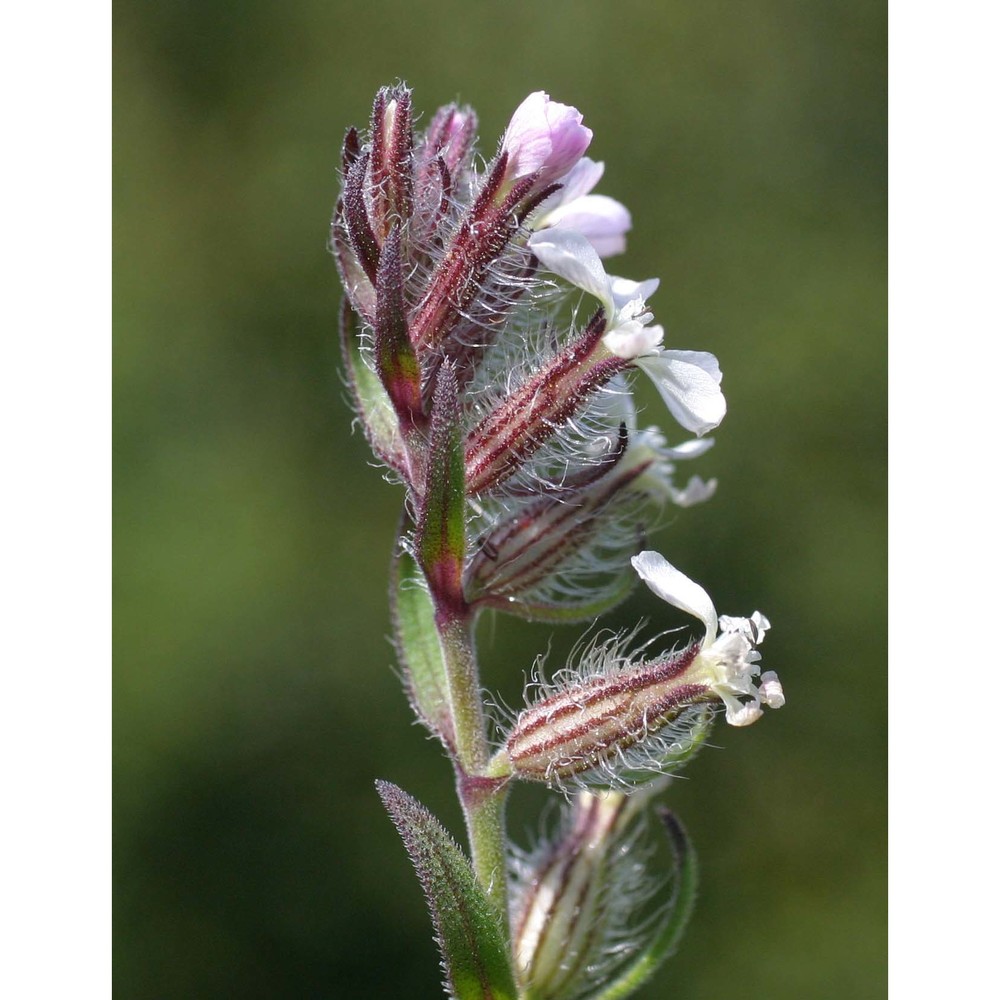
(573, 897)
(535, 410)
(391, 163)
(536, 540)
(544, 140)
(565, 555)
(450, 135)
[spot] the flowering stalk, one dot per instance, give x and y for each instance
(482, 797)
(529, 490)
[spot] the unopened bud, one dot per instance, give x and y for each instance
(391, 166)
(534, 411)
(544, 140)
(533, 543)
(450, 135)
(573, 897)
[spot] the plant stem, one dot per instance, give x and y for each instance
(482, 798)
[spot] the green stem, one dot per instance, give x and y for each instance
(482, 798)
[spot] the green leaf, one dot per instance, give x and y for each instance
(470, 931)
(356, 284)
(359, 226)
(672, 924)
(395, 360)
(441, 518)
(371, 403)
(419, 647)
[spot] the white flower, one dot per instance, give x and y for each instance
(688, 381)
(728, 662)
(649, 447)
(544, 138)
(602, 220)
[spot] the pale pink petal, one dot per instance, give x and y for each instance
(544, 138)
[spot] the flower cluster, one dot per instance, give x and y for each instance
(490, 358)
(456, 275)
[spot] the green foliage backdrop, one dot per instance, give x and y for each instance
(255, 701)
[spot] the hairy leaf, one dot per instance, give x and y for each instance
(470, 931)
(419, 647)
(378, 419)
(395, 360)
(441, 518)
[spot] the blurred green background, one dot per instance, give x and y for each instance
(255, 696)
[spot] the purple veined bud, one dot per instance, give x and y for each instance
(390, 168)
(450, 135)
(612, 722)
(442, 177)
(462, 287)
(544, 140)
(569, 548)
(534, 411)
(574, 898)
(536, 540)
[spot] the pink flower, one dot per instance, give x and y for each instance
(544, 138)
(601, 219)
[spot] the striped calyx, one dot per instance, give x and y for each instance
(612, 726)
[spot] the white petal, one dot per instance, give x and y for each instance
(754, 628)
(594, 215)
(690, 449)
(624, 291)
(575, 187)
(672, 586)
(602, 220)
(648, 437)
(609, 246)
(570, 255)
(771, 692)
(690, 388)
(696, 491)
(632, 340)
(704, 360)
(745, 715)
